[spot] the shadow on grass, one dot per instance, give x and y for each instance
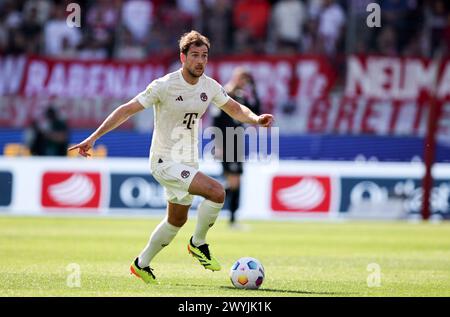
(291, 291)
(264, 290)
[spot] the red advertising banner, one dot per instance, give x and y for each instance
(397, 78)
(382, 95)
(71, 190)
(301, 194)
(86, 91)
(87, 79)
(358, 115)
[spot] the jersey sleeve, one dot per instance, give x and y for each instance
(152, 94)
(220, 95)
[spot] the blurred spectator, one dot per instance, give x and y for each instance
(3, 35)
(35, 139)
(104, 12)
(192, 8)
(138, 17)
(242, 88)
(236, 26)
(56, 133)
(159, 43)
(173, 22)
(13, 14)
(250, 18)
(42, 7)
(31, 30)
(331, 25)
(310, 39)
(56, 30)
(129, 48)
(313, 8)
(446, 38)
(10, 21)
(102, 22)
(288, 18)
(216, 20)
(387, 41)
(90, 48)
(48, 137)
(359, 34)
(394, 11)
(399, 14)
(436, 16)
(415, 46)
(67, 50)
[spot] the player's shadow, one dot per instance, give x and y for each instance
(262, 290)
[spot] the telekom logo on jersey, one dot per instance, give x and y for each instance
(189, 119)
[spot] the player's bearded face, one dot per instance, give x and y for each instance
(196, 60)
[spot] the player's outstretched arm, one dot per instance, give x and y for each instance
(115, 119)
(245, 115)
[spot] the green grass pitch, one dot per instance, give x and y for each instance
(300, 258)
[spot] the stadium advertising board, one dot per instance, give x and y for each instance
(68, 190)
(283, 190)
(383, 197)
(76, 185)
(138, 191)
(301, 194)
(6, 179)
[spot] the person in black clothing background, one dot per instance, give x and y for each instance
(48, 136)
(242, 88)
(56, 134)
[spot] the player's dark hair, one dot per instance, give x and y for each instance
(192, 38)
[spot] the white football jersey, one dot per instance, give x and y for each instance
(178, 107)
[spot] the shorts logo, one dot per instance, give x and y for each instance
(203, 96)
(185, 174)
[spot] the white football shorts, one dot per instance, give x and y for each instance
(175, 178)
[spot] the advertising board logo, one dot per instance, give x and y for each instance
(6, 179)
(301, 194)
(71, 190)
(392, 197)
(137, 191)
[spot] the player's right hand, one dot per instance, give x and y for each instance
(83, 147)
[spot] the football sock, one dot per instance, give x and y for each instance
(207, 213)
(160, 237)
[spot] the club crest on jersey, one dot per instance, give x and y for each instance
(203, 96)
(185, 174)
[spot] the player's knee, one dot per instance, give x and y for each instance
(217, 194)
(177, 220)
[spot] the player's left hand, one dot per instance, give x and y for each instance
(265, 120)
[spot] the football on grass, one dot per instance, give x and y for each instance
(247, 273)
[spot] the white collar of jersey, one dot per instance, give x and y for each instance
(185, 82)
